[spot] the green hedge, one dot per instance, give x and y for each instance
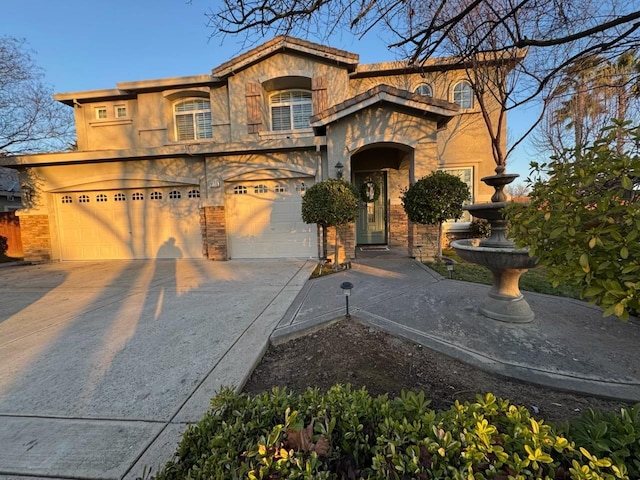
(347, 434)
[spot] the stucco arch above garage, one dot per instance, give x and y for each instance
(111, 182)
(249, 173)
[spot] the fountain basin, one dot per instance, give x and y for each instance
(504, 302)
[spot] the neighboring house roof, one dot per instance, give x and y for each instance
(286, 44)
(385, 93)
(9, 180)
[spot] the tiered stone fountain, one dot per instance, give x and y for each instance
(504, 301)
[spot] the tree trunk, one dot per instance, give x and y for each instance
(439, 246)
(324, 241)
(335, 250)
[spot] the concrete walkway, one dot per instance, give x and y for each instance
(567, 346)
(104, 364)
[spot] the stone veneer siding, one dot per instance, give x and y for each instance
(36, 238)
(214, 233)
(424, 235)
(398, 227)
(346, 242)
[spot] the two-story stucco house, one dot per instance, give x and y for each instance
(216, 165)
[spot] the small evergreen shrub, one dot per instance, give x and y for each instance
(606, 434)
(347, 434)
(4, 246)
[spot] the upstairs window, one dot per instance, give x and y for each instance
(424, 89)
(101, 113)
(290, 110)
(120, 111)
(463, 95)
(193, 119)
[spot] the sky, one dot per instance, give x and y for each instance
(94, 44)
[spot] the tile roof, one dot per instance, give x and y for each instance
(384, 93)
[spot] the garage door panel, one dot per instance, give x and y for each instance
(129, 224)
(263, 220)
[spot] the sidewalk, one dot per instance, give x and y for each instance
(568, 345)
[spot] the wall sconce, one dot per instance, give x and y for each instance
(27, 191)
(346, 289)
(339, 168)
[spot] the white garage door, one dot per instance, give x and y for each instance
(263, 220)
(130, 223)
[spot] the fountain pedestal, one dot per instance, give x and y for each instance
(504, 301)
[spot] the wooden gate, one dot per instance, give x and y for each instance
(10, 228)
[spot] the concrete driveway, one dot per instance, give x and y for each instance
(104, 364)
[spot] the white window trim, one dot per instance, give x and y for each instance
(453, 95)
(462, 224)
(98, 110)
(197, 134)
(290, 104)
(423, 84)
(118, 106)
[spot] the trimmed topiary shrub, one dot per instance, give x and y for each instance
(347, 434)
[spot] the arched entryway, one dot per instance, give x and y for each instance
(380, 172)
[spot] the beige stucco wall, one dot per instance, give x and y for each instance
(381, 125)
(230, 168)
(279, 66)
(465, 141)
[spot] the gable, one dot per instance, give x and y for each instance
(440, 110)
(290, 45)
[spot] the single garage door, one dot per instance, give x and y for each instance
(264, 220)
(129, 223)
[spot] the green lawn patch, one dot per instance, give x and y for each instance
(535, 280)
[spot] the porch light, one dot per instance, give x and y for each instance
(346, 289)
(339, 168)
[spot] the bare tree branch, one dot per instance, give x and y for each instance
(30, 120)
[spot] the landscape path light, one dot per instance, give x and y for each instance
(346, 289)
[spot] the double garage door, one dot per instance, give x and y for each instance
(129, 223)
(263, 219)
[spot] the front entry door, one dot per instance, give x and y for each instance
(371, 224)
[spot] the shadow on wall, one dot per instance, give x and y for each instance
(169, 249)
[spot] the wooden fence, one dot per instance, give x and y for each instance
(10, 228)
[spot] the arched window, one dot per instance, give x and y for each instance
(193, 119)
(290, 110)
(424, 89)
(463, 95)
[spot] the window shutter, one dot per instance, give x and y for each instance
(254, 112)
(319, 88)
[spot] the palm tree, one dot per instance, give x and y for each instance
(622, 79)
(582, 100)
